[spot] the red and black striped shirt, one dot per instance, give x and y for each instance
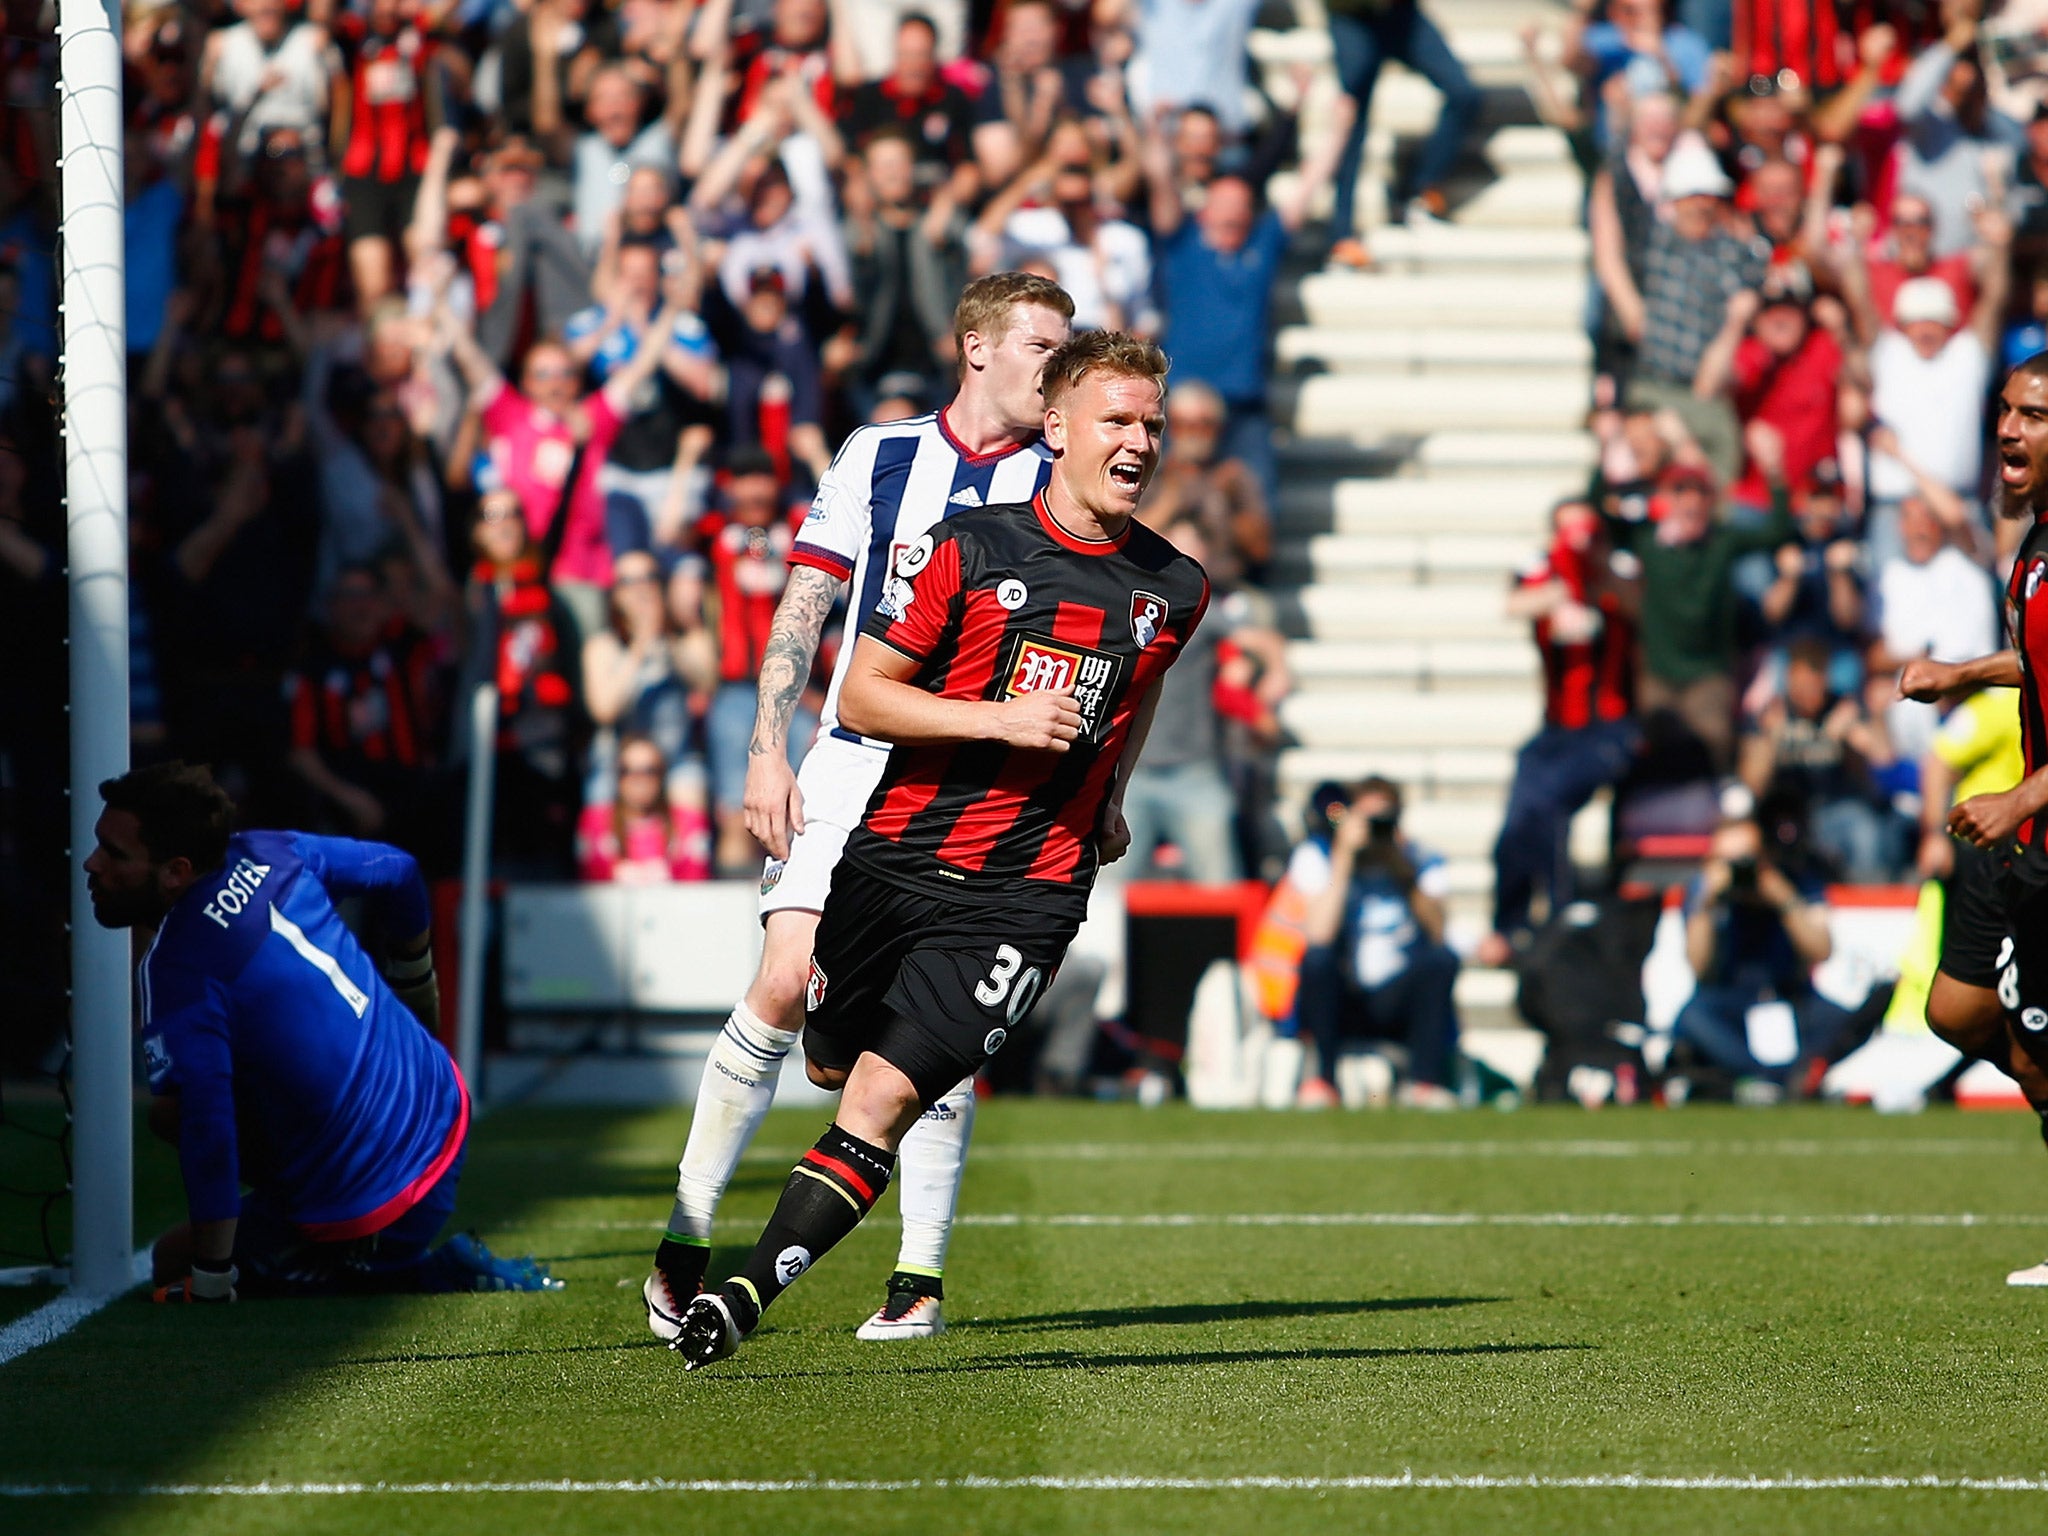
(373, 709)
(1584, 681)
(2026, 618)
(387, 99)
(996, 603)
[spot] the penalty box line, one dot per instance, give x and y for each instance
(1622, 1482)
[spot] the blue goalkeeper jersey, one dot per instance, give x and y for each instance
(297, 1071)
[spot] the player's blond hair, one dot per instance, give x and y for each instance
(988, 305)
(1112, 352)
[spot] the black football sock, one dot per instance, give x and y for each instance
(917, 1283)
(683, 1261)
(836, 1184)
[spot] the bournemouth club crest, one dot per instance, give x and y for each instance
(814, 990)
(1148, 617)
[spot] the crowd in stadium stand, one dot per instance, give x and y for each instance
(1815, 247)
(503, 341)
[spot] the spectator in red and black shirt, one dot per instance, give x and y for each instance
(282, 216)
(383, 118)
(523, 640)
(934, 113)
(746, 541)
(362, 713)
(1582, 599)
(795, 43)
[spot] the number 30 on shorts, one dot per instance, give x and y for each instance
(1004, 982)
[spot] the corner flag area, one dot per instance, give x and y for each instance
(1162, 1321)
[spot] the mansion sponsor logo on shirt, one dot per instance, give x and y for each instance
(1043, 665)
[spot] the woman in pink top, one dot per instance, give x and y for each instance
(646, 835)
(531, 434)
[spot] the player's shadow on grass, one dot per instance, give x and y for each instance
(1079, 1360)
(452, 1356)
(1200, 1313)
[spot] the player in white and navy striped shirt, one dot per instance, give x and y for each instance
(889, 485)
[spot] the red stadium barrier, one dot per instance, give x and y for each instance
(1244, 900)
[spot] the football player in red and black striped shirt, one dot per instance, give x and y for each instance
(1990, 997)
(1013, 661)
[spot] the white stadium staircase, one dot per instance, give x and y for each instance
(1433, 410)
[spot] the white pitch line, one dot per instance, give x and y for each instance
(58, 1316)
(1138, 1152)
(1477, 1482)
(1407, 1219)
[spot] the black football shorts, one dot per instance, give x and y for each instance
(1994, 931)
(933, 987)
(374, 208)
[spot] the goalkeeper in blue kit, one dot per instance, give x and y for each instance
(320, 1128)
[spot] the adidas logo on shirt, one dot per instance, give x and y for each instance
(966, 496)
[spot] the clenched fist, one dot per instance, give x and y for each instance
(1042, 722)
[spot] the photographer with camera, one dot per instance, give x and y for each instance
(1753, 936)
(1377, 967)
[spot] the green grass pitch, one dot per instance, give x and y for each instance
(1516, 1300)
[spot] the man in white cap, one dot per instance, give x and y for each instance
(1692, 266)
(1929, 375)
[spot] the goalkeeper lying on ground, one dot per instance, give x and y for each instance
(281, 1060)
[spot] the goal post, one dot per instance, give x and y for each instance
(93, 367)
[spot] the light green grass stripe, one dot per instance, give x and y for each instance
(1573, 1219)
(1337, 1151)
(1477, 1482)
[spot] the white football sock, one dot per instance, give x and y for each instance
(928, 1169)
(738, 1086)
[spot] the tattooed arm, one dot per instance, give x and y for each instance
(774, 805)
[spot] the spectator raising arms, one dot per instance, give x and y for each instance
(537, 434)
(1692, 267)
(1215, 280)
